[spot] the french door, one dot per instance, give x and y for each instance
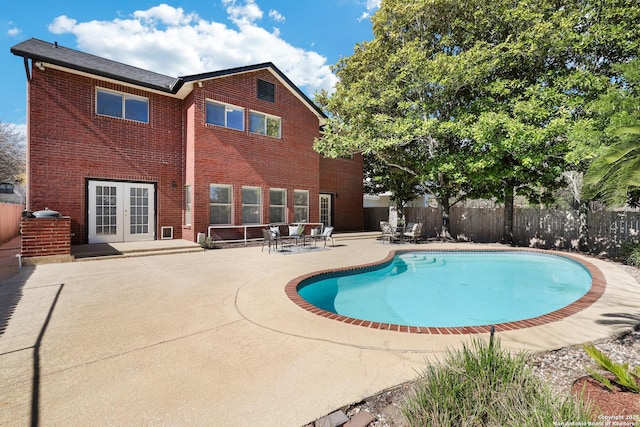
(121, 211)
(326, 210)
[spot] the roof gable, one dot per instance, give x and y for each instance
(269, 66)
(38, 50)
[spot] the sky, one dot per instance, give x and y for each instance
(303, 38)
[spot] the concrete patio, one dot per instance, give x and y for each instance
(210, 338)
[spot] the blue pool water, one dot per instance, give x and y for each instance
(451, 289)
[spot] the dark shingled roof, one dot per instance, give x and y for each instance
(52, 53)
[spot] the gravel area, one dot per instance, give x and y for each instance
(560, 368)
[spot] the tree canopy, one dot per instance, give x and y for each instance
(614, 175)
(481, 98)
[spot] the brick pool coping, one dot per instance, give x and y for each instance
(598, 286)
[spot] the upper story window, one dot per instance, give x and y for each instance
(266, 91)
(265, 124)
(225, 115)
(122, 105)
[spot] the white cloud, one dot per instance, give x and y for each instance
(243, 14)
(62, 24)
(167, 40)
(166, 15)
(276, 16)
(372, 6)
(13, 32)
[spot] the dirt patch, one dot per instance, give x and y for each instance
(619, 406)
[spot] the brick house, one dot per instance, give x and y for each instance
(130, 154)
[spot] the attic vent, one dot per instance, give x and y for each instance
(266, 91)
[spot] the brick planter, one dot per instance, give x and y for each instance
(46, 239)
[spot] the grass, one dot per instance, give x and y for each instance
(484, 385)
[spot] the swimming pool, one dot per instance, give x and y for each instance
(454, 291)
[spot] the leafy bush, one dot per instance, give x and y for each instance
(207, 243)
(630, 253)
(483, 385)
(624, 377)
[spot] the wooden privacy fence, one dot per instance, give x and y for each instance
(604, 232)
(10, 215)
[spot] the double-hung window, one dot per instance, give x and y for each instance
(277, 205)
(265, 124)
(122, 105)
(220, 204)
(225, 115)
(300, 206)
(251, 205)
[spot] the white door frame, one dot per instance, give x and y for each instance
(120, 211)
(326, 209)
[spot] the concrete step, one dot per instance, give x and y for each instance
(133, 249)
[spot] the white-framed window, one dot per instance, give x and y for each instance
(122, 105)
(251, 205)
(220, 204)
(277, 205)
(300, 206)
(225, 115)
(187, 205)
(265, 124)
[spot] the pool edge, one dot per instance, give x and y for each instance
(597, 289)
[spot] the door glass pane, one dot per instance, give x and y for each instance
(138, 213)
(106, 210)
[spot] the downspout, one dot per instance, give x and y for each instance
(27, 187)
(26, 69)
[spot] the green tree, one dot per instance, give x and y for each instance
(380, 178)
(486, 97)
(614, 175)
(12, 154)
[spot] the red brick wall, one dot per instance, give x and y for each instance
(70, 144)
(45, 236)
(241, 158)
(343, 178)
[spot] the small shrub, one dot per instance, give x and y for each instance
(624, 377)
(207, 243)
(483, 385)
(630, 253)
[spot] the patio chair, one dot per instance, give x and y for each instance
(388, 232)
(271, 238)
(327, 234)
(414, 233)
(296, 232)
